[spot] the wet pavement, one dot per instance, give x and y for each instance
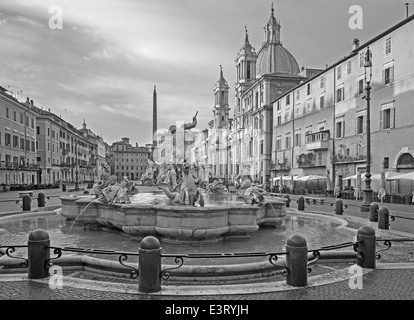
(393, 278)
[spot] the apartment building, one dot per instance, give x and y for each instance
(17, 141)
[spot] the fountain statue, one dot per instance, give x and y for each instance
(246, 188)
(110, 192)
(148, 177)
(187, 191)
(217, 186)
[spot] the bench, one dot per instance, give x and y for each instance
(73, 189)
(314, 200)
(23, 193)
(279, 195)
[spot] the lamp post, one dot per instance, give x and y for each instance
(368, 76)
(76, 167)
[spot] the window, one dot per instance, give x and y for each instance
(261, 147)
(297, 139)
(361, 60)
(288, 99)
(388, 75)
(308, 130)
(38, 159)
(360, 124)
(278, 143)
(7, 112)
(386, 162)
(248, 70)
(309, 88)
(387, 117)
(322, 82)
(340, 128)
(308, 106)
(32, 123)
(322, 101)
(14, 116)
(348, 67)
(279, 120)
(340, 94)
(48, 132)
(287, 142)
(15, 141)
(388, 46)
(339, 72)
(33, 146)
(297, 95)
(360, 86)
(22, 143)
(21, 118)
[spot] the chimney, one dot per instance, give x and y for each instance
(406, 10)
(356, 44)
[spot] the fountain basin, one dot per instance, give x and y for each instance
(176, 223)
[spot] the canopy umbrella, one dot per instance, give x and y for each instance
(328, 183)
(404, 176)
(337, 189)
(358, 191)
(381, 191)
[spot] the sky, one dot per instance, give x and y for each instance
(104, 62)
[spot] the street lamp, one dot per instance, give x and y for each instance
(368, 76)
(76, 167)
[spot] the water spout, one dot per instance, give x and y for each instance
(74, 221)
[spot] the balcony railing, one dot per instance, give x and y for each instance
(317, 140)
(281, 166)
(17, 166)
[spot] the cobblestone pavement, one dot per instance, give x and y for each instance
(389, 282)
(377, 285)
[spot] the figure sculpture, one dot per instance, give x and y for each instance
(217, 186)
(187, 192)
(148, 176)
(111, 192)
(249, 191)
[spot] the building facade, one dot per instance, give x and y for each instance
(129, 161)
(260, 79)
(320, 125)
(17, 141)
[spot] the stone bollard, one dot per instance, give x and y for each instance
(383, 218)
(297, 261)
(373, 212)
(288, 200)
(38, 254)
(149, 265)
(301, 203)
(27, 203)
(366, 249)
(339, 207)
(41, 200)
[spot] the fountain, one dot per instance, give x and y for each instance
(166, 217)
(185, 213)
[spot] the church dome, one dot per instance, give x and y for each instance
(273, 57)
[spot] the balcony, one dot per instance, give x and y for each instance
(341, 158)
(310, 160)
(318, 140)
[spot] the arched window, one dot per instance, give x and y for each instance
(405, 161)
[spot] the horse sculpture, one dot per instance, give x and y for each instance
(188, 193)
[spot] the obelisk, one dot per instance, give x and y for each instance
(154, 122)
